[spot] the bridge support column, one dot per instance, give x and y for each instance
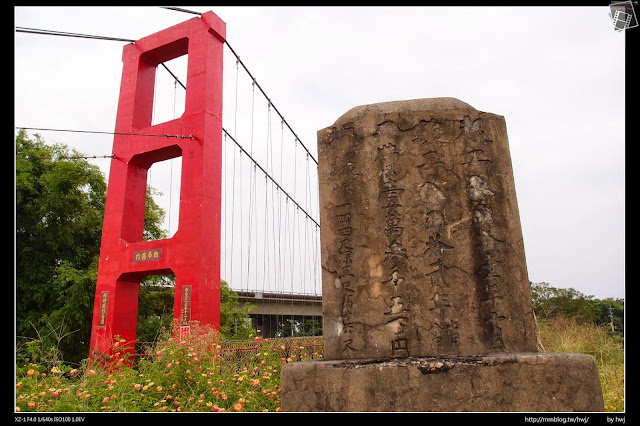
(193, 253)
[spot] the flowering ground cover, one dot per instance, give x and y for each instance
(198, 373)
(204, 374)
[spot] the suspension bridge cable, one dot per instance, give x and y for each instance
(238, 61)
(233, 205)
(290, 228)
(94, 37)
(179, 9)
(269, 100)
(252, 181)
(270, 162)
(241, 210)
(256, 164)
(271, 178)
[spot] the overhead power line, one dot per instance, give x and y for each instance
(160, 135)
(65, 34)
(76, 157)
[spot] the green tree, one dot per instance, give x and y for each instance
(235, 323)
(299, 326)
(155, 307)
(59, 209)
(610, 311)
(550, 302)
(59, 212)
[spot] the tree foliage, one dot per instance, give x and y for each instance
(60, 199)
(299, 327)
(551, 302)
(235, 323)
(59, 211)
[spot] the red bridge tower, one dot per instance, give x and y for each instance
(193, 253)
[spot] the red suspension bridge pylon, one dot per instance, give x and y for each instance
(193, 253)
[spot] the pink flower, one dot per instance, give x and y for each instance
(55, 394)
(105, 399)
(72, 372)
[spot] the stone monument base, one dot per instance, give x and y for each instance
(524, 382)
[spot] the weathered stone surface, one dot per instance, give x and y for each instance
(422, 250)
(525, 382)
(426, 298)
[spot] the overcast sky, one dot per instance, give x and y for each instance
(556, 75)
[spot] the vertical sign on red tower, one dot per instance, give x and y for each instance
(193, 253)
(185, 311)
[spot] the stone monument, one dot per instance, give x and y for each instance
(426, 299)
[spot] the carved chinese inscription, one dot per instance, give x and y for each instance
(421, 242)
(346, 279)
(478, 172)
(396, 254)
